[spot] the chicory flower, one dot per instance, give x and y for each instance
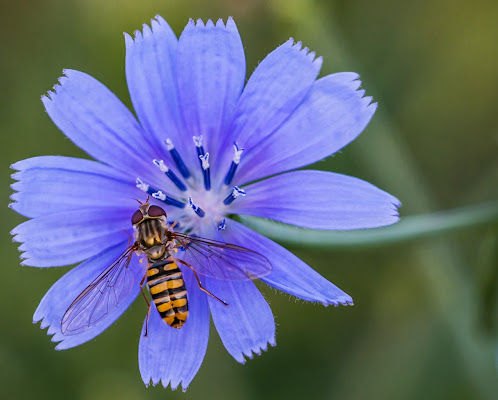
(200, 146)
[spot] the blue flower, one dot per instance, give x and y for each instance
(201, 146)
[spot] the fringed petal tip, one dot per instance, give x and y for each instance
(345, 300)
(352, 79)
(199, 23)
(67, 75)
(304, 52)
(165, 383)
(157, 25)
(256, 350)
(52, 330)
(184, 382)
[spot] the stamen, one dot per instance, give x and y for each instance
(236, 192)
(222, 225)
(159, 194)
(170, 174)
(204, 159)
(199, 211)
(177, 159)
(235, 163)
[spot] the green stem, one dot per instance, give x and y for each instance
(409, 228)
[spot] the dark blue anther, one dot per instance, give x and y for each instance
(222, 225)
(171, 175)
(199, 211)
(177, 159)
(157, 194)
(179, 184)
(204, 161)
(236, 192)
(231, 173)
(234, 164)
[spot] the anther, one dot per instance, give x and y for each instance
(199, 211)
(222, 225)
(236, 192)
(170, 174)
(204, 160)
(157, 194)
(235, 163)
(177, 159)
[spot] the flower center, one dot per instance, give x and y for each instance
(199, 204)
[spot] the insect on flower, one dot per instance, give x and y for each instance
(205, 146)
(164, 279)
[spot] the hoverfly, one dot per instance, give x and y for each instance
(155, 238)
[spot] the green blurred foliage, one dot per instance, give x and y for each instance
(424, 320)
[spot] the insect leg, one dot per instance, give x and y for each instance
(199, 283)
(147, 322)
(173, 224)
(148, 304)
(142, 290)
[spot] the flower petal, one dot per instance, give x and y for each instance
(54, 184)
(151, 78)
(273, 92)
(60, 296)
(211, 74)
(71, 236)
(246, 325)
(174, 356)
(289, 273)
(333, 114)
(319, 200)
(95, 120)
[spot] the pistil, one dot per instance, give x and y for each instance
(199, 211)
(235, 163)
(236, 192)
(170, 174)
(204, 161)
(177, 159)
(158, 194)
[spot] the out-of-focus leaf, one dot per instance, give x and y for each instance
(409, 228)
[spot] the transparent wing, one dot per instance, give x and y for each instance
(103, 296)
(221, 260)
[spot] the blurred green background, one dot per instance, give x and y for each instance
(424, 320)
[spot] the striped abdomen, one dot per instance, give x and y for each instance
(167, 288)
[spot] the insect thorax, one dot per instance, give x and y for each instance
(152, 236)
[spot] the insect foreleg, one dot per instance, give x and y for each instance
(199, 283)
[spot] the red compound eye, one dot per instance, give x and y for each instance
(156, 211)
(137, 217)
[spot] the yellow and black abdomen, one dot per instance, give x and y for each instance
(167, 288)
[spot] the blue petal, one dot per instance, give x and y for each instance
(289, 273)
(319, 200)
(174, 356)
(246, 325)
(57, 300)
(54, 184)
(273, 92)
(96, 121)
(333, 114)
(151, 78)
(71, 236)
(211, 74)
